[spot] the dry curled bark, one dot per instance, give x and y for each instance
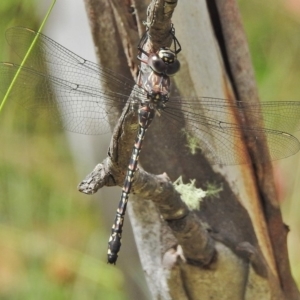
(227, 249)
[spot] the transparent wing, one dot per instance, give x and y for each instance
(211, 125)
(86, 94)
(77, 108)
(55, 81)
(63, 63)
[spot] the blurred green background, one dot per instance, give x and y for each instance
(52, 245)
(51, 238)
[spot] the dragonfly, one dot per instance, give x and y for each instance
(80, 95)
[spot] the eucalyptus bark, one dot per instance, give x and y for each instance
(234, 247)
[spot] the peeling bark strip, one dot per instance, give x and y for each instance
(226, 243)
(244, 82)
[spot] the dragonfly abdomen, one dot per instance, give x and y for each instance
(146, 115)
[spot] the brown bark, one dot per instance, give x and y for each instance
(234, 247)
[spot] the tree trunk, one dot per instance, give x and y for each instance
(234, 246)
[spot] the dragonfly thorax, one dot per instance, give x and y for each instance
(156, 86)
(157, 97)
(157, 101)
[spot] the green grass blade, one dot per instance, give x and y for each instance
(26, 56)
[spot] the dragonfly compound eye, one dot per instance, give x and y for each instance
(167, 55)
(173, 68)
(170, 60)
(157, 64)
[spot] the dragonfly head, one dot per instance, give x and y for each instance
(164, 62)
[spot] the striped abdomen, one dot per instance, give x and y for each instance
(146, 115)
